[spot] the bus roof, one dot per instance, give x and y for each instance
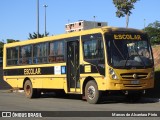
(120, 29)
(73, 34)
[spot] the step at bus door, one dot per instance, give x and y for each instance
(73, 72)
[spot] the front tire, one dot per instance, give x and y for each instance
(92, 94)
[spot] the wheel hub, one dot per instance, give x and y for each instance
(91, 92)
(28, 90)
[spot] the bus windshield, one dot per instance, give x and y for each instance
(129, 51)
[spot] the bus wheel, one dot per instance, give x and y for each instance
(92, 94)
(29, 91)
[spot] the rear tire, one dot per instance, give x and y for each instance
(29, 91)
(92, 94)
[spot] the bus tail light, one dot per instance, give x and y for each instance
(113, 74)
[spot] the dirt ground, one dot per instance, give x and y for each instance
(156, 55)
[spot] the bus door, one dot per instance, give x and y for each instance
(73, 66)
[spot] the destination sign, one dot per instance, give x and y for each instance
(127, 37)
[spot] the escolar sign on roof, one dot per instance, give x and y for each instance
(127, 37)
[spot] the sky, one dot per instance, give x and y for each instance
(18, 18)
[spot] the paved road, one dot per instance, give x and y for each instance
(17, 102)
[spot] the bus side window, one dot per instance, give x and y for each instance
(90, 49)
(92, 46)
(93, 51)
(25, 54)
(56, 51)
(40, 53)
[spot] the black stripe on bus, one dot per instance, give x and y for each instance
(29, 71)
(45, 70)
(93, 69)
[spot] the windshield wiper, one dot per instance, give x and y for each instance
(141, 59)
(126, 60)
(118, 49)
(138, 56)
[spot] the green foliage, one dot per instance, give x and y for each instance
(2, 44)
(153, 30)
(1, 48)
(12, 40)
(34, 35)
(124, 8)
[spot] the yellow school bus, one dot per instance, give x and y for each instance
(89, 62)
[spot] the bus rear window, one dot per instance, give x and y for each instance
(12, 56)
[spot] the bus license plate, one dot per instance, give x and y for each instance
(135, 82)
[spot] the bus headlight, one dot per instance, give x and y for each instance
(113, 74)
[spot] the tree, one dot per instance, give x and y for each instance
(2, 44)
(153, 30)
(12, 40)
(124, 8)
(1, 48)
(34, 35)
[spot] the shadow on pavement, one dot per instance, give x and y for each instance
(122, 99)
(104, 100)
(155, 92)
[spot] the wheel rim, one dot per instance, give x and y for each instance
(28, 90)
(91, 92)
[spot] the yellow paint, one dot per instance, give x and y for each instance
(20, 83)
(36, 82)
(75, 90)
(87, 68)
(12, 82)
(53, 83)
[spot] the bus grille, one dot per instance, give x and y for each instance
(134, 75)
(130, 85)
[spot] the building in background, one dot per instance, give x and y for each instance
(83, 25)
